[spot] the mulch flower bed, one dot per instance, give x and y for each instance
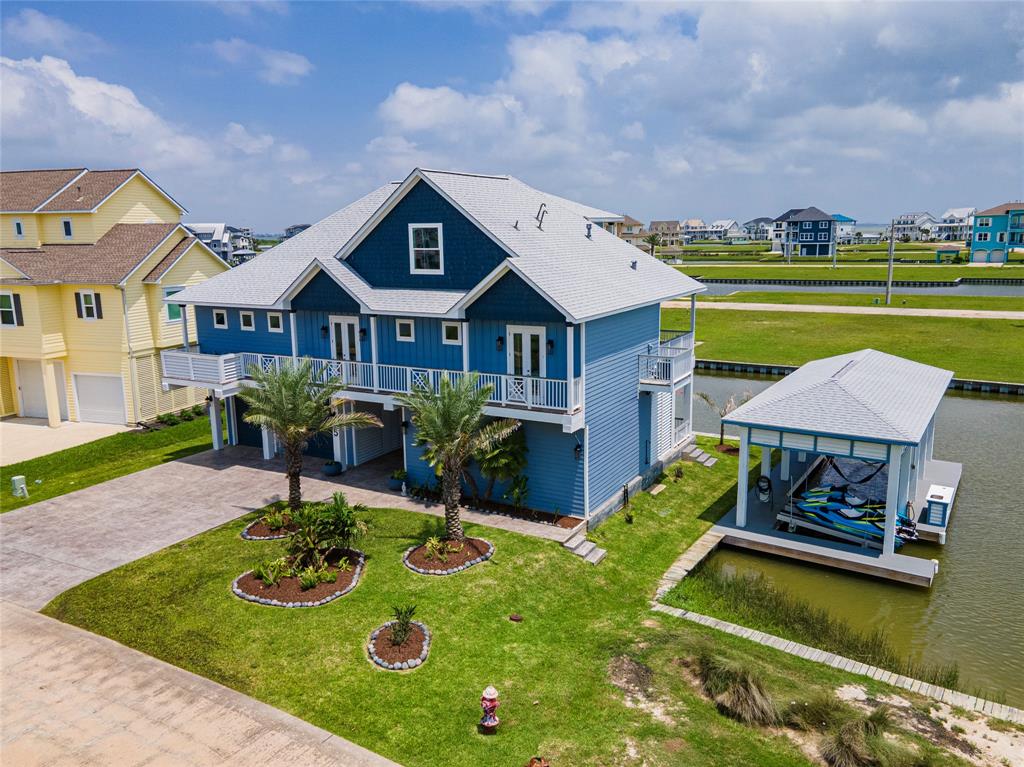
(288, 593)
(410, 654)
(473, 552)
(728, 449)
(260, 531)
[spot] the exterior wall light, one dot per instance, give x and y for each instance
(362, 334)
(500, 343)
(551, 345)
(578, 451)
(324, 331)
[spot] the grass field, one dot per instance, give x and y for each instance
(552, 669)
(899, 301)
(860, 272)
(103, 459)
(980, 349)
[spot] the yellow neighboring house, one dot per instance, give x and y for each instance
(86, 261)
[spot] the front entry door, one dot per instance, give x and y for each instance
(526, 363)
(345, 346)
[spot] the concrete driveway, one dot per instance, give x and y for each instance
(22, 439)
(50, 546)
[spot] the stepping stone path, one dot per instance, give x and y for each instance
(693, 453)
(588, 550)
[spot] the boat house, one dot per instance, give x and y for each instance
(856, 476)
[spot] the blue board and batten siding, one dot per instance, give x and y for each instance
(233, 339)
(382, 259)
(428, 350)
(612, 401)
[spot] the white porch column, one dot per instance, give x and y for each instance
(891, 493)
(183, 310)
(915, 471)
(373, 350)
(766, 461)
(741, 481)
(785, 465)
(295, 336)
(336, 439)
(465, 347)
(570, 366)
(693, 313)
(905, 461)
(268, 444)
(215, 430)
(231, 416)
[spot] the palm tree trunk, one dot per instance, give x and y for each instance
(721, 432)
(293, 468)
(451, 492)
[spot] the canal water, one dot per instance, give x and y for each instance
(974, 612)
(971, 289)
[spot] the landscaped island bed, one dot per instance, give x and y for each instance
(899, 300)
(976, 349)
(557, 670)
(825, 272)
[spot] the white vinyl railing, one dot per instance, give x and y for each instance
(670, 361)
(510, 390)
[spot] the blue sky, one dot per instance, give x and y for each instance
(266, 114)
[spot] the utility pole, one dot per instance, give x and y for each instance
(892, 253)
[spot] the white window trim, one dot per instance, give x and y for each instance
(67, 227)
(982, 237)
(984, 222)
(14, 315)
(526, 330)
(822, 236)
(444, 333)
(19, 229)
(1001, 237)
(252, 320)
(92, 294)
(167, 306)
(220, 325)
(280, 322)
(440, 249)
(412, 327)
(806, 236)
(806, 225)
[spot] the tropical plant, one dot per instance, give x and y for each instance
(439, 549)
(321, 528)
(451, 423)
(517, 492)
(272, 571)
(724, 409)
(274, 519)
(653, 241)
(402, 626)
(399, 475)
(340, 527)
(311, 577)
(736, 690)
(285, 400)
(503, 460)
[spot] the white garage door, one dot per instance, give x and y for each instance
(100, 398)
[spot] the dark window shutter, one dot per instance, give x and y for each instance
(99, 305)
(19, 319)
(78, 304)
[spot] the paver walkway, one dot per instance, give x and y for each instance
(69, 697)
(50, 546)
(975, 314)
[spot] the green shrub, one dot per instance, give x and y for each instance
(879, 721)
(272, 571)
(322, 528)
(402, 626)
(308, 578)
(736, 690)
(168, 419)
(187, 415)
(439, 549)
(274, 518)
(197, 410)
(399, 475)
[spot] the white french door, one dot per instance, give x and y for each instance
(345, 346)
(526, 360)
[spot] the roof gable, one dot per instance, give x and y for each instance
(811, 214)
(22, 191)
(1002, 210)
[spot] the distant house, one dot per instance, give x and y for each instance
(241, 237)
(996, 232)
(725, 229)
(758, 228)
(845, 228)
(671, 232)
(805, 232)
(914, 226)
(632, 231)
(217, 237)
(242, 255)
(955, 224)
(294, 229)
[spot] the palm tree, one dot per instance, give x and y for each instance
(723, 410)
(286, 401)
(450, 422)
(654, 240)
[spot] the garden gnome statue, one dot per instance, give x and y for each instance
(489, 703)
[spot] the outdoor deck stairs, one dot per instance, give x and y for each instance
(588, 550)
(693, 453)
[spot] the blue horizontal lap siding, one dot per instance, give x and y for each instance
(612, 396)
(233, 339)
(382, 259)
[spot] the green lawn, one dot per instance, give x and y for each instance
(551, 669)
(989, 303)
(860, 272)
(981, 349)
(102, 459)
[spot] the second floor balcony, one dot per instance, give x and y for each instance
(664, 366)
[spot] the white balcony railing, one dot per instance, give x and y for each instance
(669, 362)
(507, 390)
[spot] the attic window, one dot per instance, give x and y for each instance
(19, 229)
(67, 229)
(426, 249)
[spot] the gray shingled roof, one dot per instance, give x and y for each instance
(865, 395)
(810, 214)
(585, 276)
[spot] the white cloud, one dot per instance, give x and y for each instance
(247, 8)
(238, 136)
(999, 115)
(273, 66)
(412, 109)
(635, 131)
(48, 33)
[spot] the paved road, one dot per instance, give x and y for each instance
(977, 314)
(69, 697)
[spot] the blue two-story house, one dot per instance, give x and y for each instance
(446, 273)
(805, 232)
(997, 231)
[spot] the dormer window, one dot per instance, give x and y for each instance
(426, 249)
(19, 229)
(67, 229)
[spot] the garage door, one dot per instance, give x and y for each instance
(996, 256)
(100, 398)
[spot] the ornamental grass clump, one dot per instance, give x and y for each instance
(736, 690)
(402, 627)
(820, 712)
(847, 746)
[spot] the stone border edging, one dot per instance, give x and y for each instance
(276, 603)
(246, 536)
(405, 665)
(942, 694)
(452, 570)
